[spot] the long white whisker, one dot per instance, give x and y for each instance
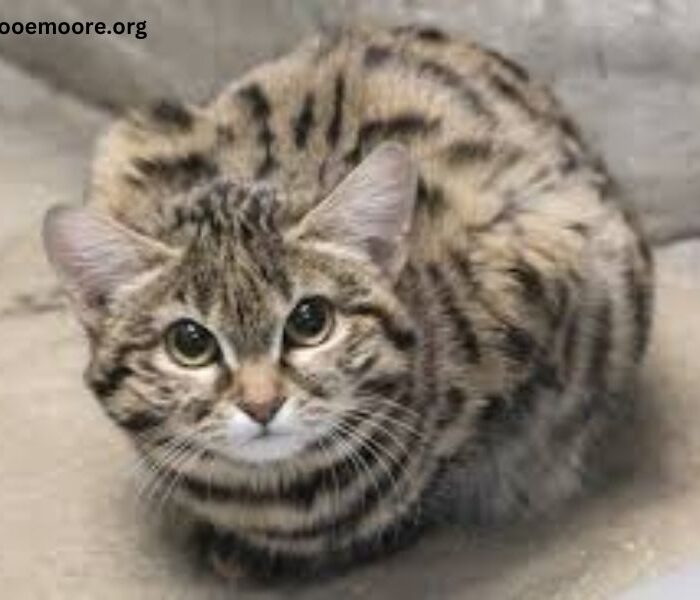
(367, 442)
(394, 421)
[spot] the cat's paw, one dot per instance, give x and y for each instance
(225, 565)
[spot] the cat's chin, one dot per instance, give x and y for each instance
(267, 448)
(282, 439)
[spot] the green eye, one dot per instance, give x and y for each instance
(190, 345)
(310, 323)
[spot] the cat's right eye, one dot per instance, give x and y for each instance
(190, 344)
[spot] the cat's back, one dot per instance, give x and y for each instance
(493, 147)
(487, 139)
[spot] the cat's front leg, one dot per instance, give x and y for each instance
(224, 563)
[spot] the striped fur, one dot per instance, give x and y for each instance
(503, 347)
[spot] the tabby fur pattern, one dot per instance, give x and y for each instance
(491, 293)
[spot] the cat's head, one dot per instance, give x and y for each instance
(233, 333)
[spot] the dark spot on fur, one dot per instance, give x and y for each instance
(465, 332)
(173, 114)
(451, 79)
(454, 402)
(516, 70)
(336, 122)
(468, 151)
(530, 281)
(513, 95)
(430, 197)
(519, 344)
(179, 172)
(403, 125)
(260, 109)
(225, 134)
(110, 381)
(141, 421)
(426, 33)
(376, 56)
(601, 346)
(304, 121)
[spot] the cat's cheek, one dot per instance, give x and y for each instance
(323, 356)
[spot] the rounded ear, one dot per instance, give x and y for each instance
(93, 256)
(371, 210)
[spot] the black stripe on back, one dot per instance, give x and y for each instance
(225, 135)
(376, 56)
(505, 413)
(534, 291)
(461, 264)
(304, 121)
(430, 197)
(518, 344)
(601, 345)
(171, 113)
(572, 340)
(261, 111)
(451, 79)
(400, 126)
(530, 281)
(426, 33)
(336, 122)
(469, 151)
(178, 172)
(453, 403)
(569, 128)
(639, 296)
(464, 330)
(512, 94)
(514, 69)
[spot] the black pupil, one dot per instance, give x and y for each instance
(309, 317)
(191, 340)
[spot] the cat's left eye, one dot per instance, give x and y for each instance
(310, 323)
(190, 344)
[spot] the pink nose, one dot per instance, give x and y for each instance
(259, 390)
(262, 412)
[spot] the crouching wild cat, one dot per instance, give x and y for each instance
(380, 260)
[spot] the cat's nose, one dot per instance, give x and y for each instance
(262, 412)
(259, 390)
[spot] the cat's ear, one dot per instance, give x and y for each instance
(371, 210)
(94, 255)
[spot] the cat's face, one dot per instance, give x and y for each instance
(241, 339)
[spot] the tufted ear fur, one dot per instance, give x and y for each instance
(94, 256)
(371, 210)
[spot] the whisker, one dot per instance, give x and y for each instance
(335, 492)
(389, 419)
(379, 455)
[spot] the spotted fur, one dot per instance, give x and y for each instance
(501, 350)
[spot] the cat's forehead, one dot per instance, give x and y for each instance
(230, 228)
(223, 210)
(233, 256)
